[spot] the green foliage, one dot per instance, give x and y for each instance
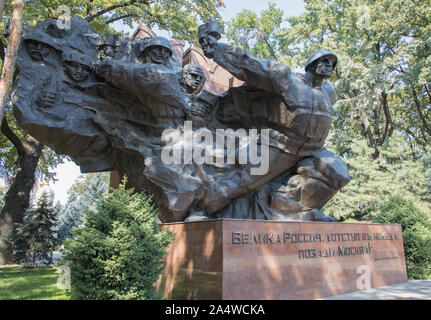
(35, 238)
(394, 171)
(118, 252)
(383, 76)
(257, 34)
(179, 17)
(7, 157)
(416, 230)
(81, 196)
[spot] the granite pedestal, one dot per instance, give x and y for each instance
(277, 260)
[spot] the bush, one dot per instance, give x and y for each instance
(416, 231)
(118, 252)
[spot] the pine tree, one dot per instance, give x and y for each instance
(35, 238)
(70, 216)
(82, 196)
(118, 252)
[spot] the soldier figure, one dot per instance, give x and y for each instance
(77, 66)
(39, 45)
(200, 103)
(299, 124)
(157, 50)
(193, 78)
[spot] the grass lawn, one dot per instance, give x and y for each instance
(30, 284)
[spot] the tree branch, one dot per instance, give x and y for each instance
(388, 119)
(7, 131)
(271, 49)
(418, 108)
(90, 8)
(119, 18)
(417, 140)
(114, 7)
(428, 91)
(367, 127)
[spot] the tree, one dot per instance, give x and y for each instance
(35, 238)
(8, 67)
(17, 198)
(81, 196)
(384, 72)
(373, 180)
(416, 231)
(118, 252)
(180, 17)
(381, 126)
(257, 34)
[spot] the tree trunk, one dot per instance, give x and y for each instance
(9, 61)
(17, 198)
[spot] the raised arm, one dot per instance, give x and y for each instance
(259, 73)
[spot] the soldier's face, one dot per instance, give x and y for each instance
(158, 55)
(107, 51)
(37, 50)
(76, 71)
(208, 44)
(324, 67)
(193, 81)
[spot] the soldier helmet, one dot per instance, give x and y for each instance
(77, 57)
(158, 42)
(194, 68)
(320, 54)
(41, 37)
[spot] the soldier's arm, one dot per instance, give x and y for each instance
(143, 79)
(330, 89)
(128, 75)
(259, 73)
(333, 95)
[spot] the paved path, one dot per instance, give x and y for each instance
(410, 290)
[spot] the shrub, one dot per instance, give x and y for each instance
(118, 252)
(416, 231)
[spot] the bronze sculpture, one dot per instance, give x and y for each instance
(118, 103)
(301, 114)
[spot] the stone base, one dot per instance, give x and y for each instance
(278, 260)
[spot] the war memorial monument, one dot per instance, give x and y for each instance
(240, 176)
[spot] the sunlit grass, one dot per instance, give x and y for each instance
(30, 284)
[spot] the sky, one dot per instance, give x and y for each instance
(67, 173)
